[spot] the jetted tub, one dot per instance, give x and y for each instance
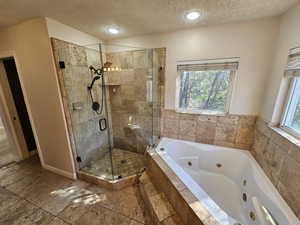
(228, 182)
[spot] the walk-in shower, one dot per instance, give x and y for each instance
(111, 97)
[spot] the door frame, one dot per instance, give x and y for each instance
(9, 130)
(9, 120)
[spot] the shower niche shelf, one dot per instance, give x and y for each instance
(114, 86)
(111, 84)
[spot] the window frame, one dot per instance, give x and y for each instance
(287, 103)
(233, 75)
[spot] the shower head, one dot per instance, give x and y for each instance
(95, 71)
(93, 81)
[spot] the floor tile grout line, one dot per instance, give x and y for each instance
(7, 164)
(40, 208)
(117, 212)
(17, 181)
(37, 206)
(16, 171)
(36, 180)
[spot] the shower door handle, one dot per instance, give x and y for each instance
(102, 124)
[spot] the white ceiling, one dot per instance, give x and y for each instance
(136, 17)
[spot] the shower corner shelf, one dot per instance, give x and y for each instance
(113, 84)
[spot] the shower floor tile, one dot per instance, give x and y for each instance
(118, 164)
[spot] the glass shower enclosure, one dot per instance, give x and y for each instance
(111, 99)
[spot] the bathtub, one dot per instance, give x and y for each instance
(228, 182)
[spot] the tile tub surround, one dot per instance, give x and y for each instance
(190, 210)
(83, 126)
(236, 131)
(157, 207)
(280, 159)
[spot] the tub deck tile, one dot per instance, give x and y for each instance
(172, 220)
(186, 205)
(161, 206)
(159, 210)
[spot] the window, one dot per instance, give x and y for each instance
(205, 87)
(291, 118)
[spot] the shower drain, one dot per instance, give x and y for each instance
(244, 197)
(252, 216)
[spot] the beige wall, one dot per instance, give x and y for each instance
(30, 43)
(66, 33)
(251, 41)
(289, 37)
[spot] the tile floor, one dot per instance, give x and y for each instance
(30, 195)
(124, 163)
(6, 156)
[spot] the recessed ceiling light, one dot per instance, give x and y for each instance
(192, 15)
(113, 30)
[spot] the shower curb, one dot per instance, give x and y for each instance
(111, 185)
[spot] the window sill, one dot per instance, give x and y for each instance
(200, 112)
(294, 140)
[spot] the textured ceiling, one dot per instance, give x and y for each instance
(136, 17)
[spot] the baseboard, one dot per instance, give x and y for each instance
(60, 172)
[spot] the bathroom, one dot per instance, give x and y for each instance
(175, 112)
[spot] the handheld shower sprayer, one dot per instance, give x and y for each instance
(93, 81)
(98, 108)
(99, 73)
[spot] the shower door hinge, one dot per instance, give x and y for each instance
(62, 64)
(78, 159)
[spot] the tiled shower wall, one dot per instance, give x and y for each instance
(83, 123)
(133, 94)
(235, 131)
(280, 159)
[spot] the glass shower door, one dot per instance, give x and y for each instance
(131, 106)
(129, 93)
(88, 127)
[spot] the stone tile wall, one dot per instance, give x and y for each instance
(280, 159)
(83, 124)
(235, 131)
(130, 104)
